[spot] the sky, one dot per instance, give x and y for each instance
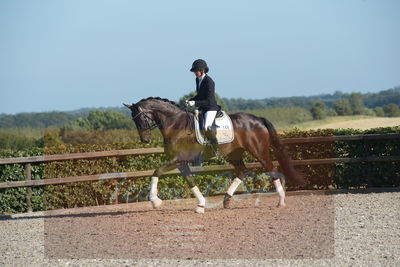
(69, 54)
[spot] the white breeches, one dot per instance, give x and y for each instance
(209, 117)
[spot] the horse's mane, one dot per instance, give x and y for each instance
(163, 100)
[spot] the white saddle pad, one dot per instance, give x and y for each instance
(225, 133)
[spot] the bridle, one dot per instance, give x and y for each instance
(150, 123)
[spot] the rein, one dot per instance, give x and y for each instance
(151, 126)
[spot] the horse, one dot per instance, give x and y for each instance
(251, 133)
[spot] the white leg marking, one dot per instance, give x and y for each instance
(153, 188)
(200, 198)
(155, 201)
(232, 188)
(281, 192)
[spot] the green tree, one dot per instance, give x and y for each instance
(99, 127)
(17, 142)
(357, 103)
(391, 96)
(36, 120)
(318, 111)
(52, 138)
(369, 112)
(342, 107)
(379, 112)
(331, 112)
(391, 110)
(101, 120)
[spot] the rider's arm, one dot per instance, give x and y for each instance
(194, 98)
(208, 93)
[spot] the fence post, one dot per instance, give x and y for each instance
(368, 166)
(28, 177)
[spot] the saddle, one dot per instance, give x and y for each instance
(220, 114)
(222, 125)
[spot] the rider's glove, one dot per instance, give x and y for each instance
(189, 103)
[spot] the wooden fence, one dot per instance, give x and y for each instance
(28, 161)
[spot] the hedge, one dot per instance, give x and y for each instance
(14, 199)
(348, 175)
(351, 175)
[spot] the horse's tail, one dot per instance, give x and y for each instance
(282, 155)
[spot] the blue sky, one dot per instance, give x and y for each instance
(64, 55)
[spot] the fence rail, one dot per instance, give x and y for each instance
(85, 155)
(28, 161)
(334, 138)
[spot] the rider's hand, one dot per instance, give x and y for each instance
(189, 103)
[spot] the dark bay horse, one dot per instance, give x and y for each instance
(253, 134)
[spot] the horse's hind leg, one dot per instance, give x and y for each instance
(236, 160)
(263, 156)
(276, 179)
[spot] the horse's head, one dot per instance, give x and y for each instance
(151, 113)
(144, 120)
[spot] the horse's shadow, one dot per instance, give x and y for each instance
(80, 215)
(168, 211)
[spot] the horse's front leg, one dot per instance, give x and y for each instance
(155, 200)
(185, 171)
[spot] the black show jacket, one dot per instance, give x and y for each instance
(205, 98)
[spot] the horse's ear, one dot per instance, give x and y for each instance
(129, 106)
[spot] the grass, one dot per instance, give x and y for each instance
(328, 120)
(27, 132)
(283, 118)
(355, 122)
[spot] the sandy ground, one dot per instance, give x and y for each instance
(313, 230)
(362, 124)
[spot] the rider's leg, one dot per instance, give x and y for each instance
(209, 118)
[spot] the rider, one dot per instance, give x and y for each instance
(205, 99)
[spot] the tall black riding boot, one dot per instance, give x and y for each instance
(211, 136)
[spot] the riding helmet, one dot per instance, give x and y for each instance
(199, 64)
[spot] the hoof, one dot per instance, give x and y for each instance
(281, 205)
(227, 200)
(156, 203)
(199, 209)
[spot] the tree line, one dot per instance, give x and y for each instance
(384, 103)
(27, 129)
(370, 100)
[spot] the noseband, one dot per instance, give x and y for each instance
(150, 123)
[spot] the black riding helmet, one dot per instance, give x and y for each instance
(199, 64)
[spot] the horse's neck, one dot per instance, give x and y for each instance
(170, 118)
(174, 123)
(163, 112)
